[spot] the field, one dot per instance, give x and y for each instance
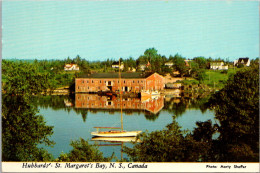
(217, 79)
(213, 78)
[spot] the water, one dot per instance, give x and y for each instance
(84, 112)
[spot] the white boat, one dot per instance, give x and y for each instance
(114, 133)
(149, 93)
(116, 139)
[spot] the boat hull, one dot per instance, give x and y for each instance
(116, 139)
(117, 134)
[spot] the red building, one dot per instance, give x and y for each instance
(130, 82)
(94, 101)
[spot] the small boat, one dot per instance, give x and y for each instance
(116, 139)
(114, 133)
(149, 93)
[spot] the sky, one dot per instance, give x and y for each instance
(98, 30)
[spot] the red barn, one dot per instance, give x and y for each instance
(130, 82)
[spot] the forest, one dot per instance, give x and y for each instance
(195, 72)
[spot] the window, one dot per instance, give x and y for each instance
(92, 81)
(100, 81)
(133, 81)
(87, 81)
(124, 81)
(138, 81)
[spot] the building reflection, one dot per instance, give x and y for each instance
(94, 101)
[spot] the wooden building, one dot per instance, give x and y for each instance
(130, 82)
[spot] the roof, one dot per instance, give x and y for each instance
(69, 65)
(243, 60)
(116, 75)
(117, 63)
(169, 62)
(216, 63)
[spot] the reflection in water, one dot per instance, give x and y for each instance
(94, 101)
(68, 125)
(115, 141)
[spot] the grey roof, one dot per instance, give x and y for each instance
(116, 75)
(215, 63)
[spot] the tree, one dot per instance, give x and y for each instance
(237, 109)
(24, 78)
(151, 52)
(201, 61)
(83, 152)
(255, 62)
(23, 130)
(168, 145)
(201, 75)
(77, 60)
(180, 64)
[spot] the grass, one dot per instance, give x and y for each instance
(217, 79)
(214, 78)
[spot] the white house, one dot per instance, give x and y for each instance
(218, 66)
(69, 67)
(169, 64)
(116, 65)
(243, 61)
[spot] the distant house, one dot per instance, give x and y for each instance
(187, 63)
(116, 65)
(131, 69)
(243, 61)
(218, 66)
(69, 67)
(169, 64)
(142, 66)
